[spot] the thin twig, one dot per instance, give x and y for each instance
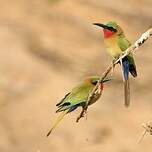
(147, 129)
(142, 136)
(132, 48)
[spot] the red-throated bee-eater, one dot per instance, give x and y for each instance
(116, 42)
(78, 97)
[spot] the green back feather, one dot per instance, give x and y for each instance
(78, 95)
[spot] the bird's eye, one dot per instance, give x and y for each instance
(112, 29)
(94, 82)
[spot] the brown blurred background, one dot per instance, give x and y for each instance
(47, 47)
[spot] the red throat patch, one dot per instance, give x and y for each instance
(107, 33)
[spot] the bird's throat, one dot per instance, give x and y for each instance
(108, 33)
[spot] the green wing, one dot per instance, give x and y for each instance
(77, 97)
(124, 44)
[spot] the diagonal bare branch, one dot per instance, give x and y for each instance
(145, 36)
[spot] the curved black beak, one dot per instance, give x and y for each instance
(100, 25)
(106, 80)
(105, 27)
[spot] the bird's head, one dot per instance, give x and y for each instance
(109, 29)
(94, 80)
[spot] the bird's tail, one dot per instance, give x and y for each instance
(125, 71)
(61, 116)
(132, 70)
(127, 93)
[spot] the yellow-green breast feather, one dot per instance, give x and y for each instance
(112, 46)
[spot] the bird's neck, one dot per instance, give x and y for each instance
(111, 41)
(112, 46)
(108, 33)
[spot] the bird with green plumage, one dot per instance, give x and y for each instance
(78, 97)
(116, 43)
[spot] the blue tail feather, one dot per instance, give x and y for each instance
(72, 108)
(125, 64)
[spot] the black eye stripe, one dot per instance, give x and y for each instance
(111, 29)
(94, 83)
